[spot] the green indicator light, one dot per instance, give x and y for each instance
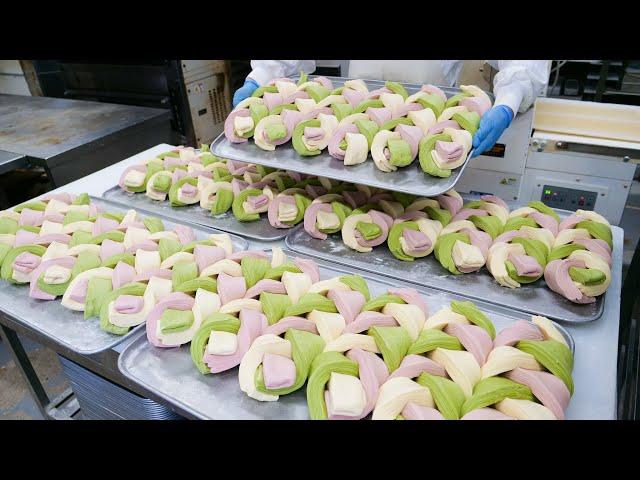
(548, 192)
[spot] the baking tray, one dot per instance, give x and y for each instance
(68, 327)
(196, 215)
(169, 373)
(410, 179)
(534, 298)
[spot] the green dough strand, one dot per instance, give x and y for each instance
(302, 203)
(298, 133)
(342, 211)
(259, 92)
(153, 224)
(71, 217)
(133, 288)
(275, 273)
(275, 131)
(362, 107)
(433, 101)
(342, 110)
(432, 338)
(191, 245)
(447, 395)
(183, 272)
(488, 224)
(453, 101)
(439, 214)
(356, 282)
(6, 272)
(85, 261)
(29, 228)
(36, 205)
(564, 251)
(428, 165)
(82, 199)
(167, 247)
(470, 121)
(542, 208)
(405, 199)
(191, 286)
(400, 152)
(308, 302)
(397, 87)
(222, 202)
(274, 306)
(534, 248)
(552, 355)
(117, 216)
(173, 191)
(239, 211)
(597, 230)
(258, 112)
(393, 241)
(4, 249)
(317, 92)
(321, 369)
(97, 290)
(443, 248)
(368, 230)
(393, 342)
(162, 183)
(391, 124)
(174, 321)
(368, 128)
(303, 78)
(305, 347)
(475, 316)
(513, 273)
(114, 235)
(516, 223)
(8, 226)
(492, 390)
(219, 322)
(587, 276)
(376, 304)
(254, 270)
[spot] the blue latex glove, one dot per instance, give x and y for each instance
(244, 91)
(492, 124)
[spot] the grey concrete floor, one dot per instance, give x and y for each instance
(16, 402)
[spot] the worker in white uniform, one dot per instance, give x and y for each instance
(515, 87)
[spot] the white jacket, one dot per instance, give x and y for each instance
(516, 85)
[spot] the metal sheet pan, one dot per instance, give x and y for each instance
(534, 298)
(409, 179)
(170, 374)
(68, 327)
(194, 214)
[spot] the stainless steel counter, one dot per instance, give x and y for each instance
(73, 138)
(596, 342)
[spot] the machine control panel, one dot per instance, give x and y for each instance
(568, 198)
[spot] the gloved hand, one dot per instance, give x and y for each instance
(492, 124)
(244, 91)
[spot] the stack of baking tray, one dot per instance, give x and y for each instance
(410, 179)
(100, 399)
(168, 374)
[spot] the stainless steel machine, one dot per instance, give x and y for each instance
(569, 154)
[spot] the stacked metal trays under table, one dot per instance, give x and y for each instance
(168, 374)
(68, 327)
(410, 179)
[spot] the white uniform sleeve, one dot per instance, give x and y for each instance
(266, 70)
(519, 82)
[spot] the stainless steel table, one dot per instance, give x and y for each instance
(72, 138)
(596, 342)
(10, 161)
